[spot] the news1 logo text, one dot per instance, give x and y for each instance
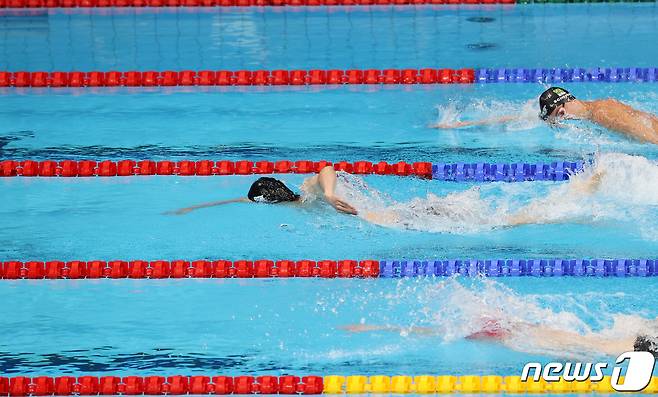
(639, 369)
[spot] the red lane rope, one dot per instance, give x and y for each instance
(158, 385)
(107, 168)
(139, 269)
(227, 3)
(240, 78)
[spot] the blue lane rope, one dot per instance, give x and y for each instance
(566, 75)
(519, 267)
(515, 172)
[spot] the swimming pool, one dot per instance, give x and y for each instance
(330, 37)
(294, 326)
(128, 327)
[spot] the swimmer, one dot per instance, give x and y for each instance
(556, 104)
(539, 337)
(271, 191)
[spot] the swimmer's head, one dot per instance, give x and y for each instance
(270, 190)
(552, 101)
(645, 343)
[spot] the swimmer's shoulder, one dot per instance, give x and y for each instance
(609, 110)
(606, 105)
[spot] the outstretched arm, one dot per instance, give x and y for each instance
(460, 124)
(580, 185)
(546, 338)
(327, 182)
(356, 328)
(185, 210)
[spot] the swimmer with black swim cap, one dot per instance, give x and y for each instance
(267, 190)
(272, 191)
(536, 337)
(552, 102)
(556, 104)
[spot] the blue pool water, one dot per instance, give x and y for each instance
(588, 35)
(306, 123)
(235, 327)
(98, 218)
(295, 326)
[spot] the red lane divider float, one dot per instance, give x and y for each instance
(107, 168)
(157, 385)
(139, 269)
(239, 78)
(227, 3)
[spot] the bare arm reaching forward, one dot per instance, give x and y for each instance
(358, 328)
(541, 338)
(460, 124)
(185, 210)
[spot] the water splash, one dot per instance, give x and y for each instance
(618, 188)
(466, 304)
(448, 113)
(455, 308)
(580, 132)
(452, 113)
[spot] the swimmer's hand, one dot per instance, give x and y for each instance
(340, 205)
(181, 211)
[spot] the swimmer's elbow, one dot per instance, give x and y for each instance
(327, 169)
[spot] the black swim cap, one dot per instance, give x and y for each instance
(550, 99)
(645, 343)
(270, 190)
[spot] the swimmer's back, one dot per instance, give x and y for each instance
(617, 116)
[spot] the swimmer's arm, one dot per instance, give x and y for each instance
(617, 116)
(390, 328)
(185, 210)
(573, 341)
(533, 213)
(327, 182)
(460, 124)
(382, 218)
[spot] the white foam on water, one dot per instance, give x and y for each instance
(585, 133)
(455, 308)
(451, 113)
(448, 113)
(340, 354)
(626, 191)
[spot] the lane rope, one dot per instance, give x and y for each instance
(239, 78)
(332, 384)
(347, 268)
(275, 3)
(229, 3)
(463, 384)
(458, 172)
(567, 75)
(158, 385)
(170, 78)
